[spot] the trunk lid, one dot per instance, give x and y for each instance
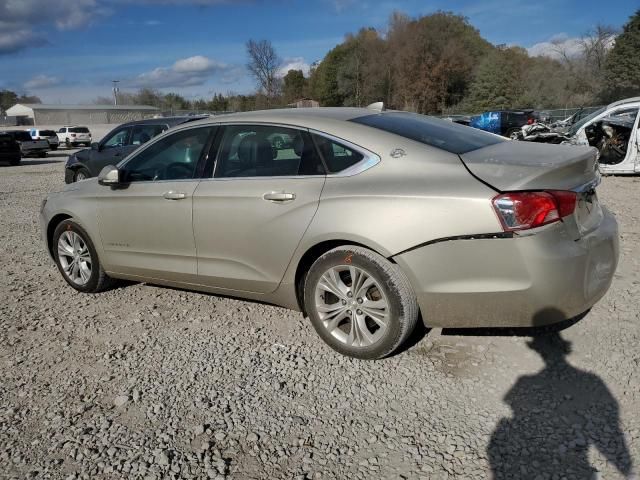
(515, 165)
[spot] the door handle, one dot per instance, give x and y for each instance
(171, 195)
(279, 196)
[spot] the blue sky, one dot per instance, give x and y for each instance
(68, 51)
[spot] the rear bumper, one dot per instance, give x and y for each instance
(513, 282)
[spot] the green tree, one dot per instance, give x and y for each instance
(622, 66)
(294, 86)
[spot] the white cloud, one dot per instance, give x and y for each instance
(20, 19)
(185, 72)
(294, 63)
(41, 81)
(561, 45)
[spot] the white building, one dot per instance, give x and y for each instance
(41, 114)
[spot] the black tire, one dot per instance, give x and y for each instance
(67, 143)
(15, 162)
(54, 147)
(79, 173)
(42, 154)
(98, 279)
(512, 131)
(402, 304)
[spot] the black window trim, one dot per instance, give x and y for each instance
(369, 160)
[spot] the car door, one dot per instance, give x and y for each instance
(145, 225)
(110, 151)
(252, 212)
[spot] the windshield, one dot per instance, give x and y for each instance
(576, 126)
(449, 136)
(47, 133)
(79, 130)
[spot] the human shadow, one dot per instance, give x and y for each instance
(558, 413)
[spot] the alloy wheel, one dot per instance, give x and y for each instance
(352, 306)
(74, 257)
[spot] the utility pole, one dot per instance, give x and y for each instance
(115, 91)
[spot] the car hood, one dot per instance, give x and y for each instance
(519, 165)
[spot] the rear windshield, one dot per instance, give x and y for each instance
(448, 136)
(47, 133)
(79, 130)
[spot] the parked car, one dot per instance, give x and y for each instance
(49, 135)
(615, 132)
(370, 220)
(73, 135)
(503, 122)
(116, 145)
(9, 149)
(28, 146)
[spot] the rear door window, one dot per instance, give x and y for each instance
(336, 156)
(266, 151)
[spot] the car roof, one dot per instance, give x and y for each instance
(171, 121)
(622, 102)
(302, 117)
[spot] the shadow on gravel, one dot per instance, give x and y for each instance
(558, 413)
(542, 321)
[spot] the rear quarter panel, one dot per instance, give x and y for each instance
(400, 203)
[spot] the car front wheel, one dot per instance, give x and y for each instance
(81, 174)
(77, 259)
(360, 304)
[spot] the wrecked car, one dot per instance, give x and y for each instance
(613, 130)
(503, 122)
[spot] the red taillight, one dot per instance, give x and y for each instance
(73, 134)
(524, 210)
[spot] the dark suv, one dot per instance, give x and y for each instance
(116, 145)
(9, 149)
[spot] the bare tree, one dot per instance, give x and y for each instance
(263, 65)
(596, 45)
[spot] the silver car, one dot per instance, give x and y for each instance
(365, 220)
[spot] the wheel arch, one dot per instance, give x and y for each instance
(51, 227)
(312, 254)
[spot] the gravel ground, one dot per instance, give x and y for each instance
(151, 382)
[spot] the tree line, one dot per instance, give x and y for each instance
(439, 63)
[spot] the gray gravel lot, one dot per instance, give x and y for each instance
(151, 382)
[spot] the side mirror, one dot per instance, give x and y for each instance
(95, 146)
(109, 176)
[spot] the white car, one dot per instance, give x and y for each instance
(614, 131)
(74, 135)
(48, 135)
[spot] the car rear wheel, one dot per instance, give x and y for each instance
(360, 304)
(81, 174)
(67, 143)
(77, 259)
(15, 161)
